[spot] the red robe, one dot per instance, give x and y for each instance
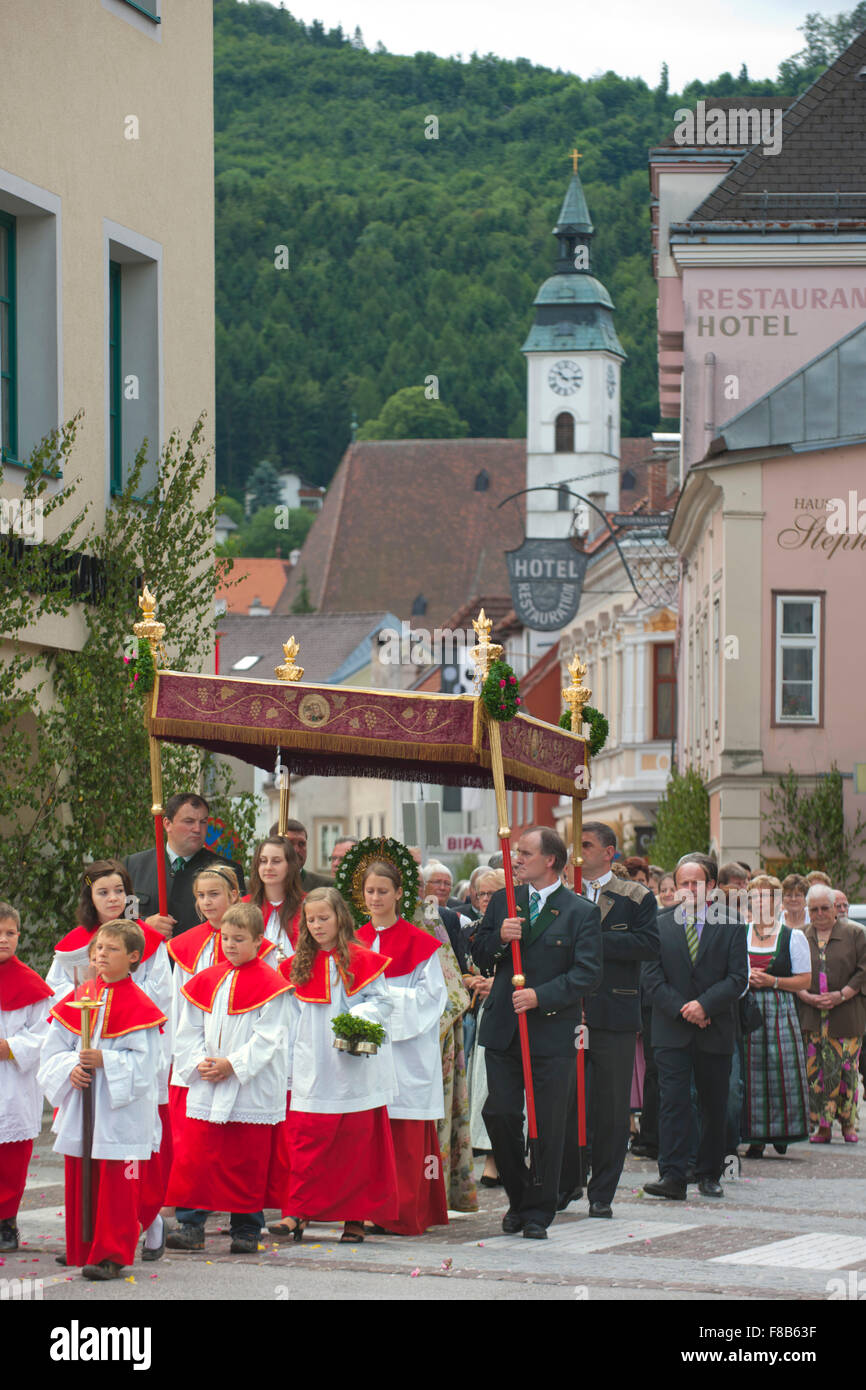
(227, 1167)
(19, 988)
(421, 1184)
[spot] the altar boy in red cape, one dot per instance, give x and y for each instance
(105, 895)
(419, 996)
(23, 1026)
(231, 1051)
(340, 1148)
(121, 1068)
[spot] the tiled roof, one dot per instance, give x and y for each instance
(260, 579)
(723, 104)
(819, 169)
(332, 645)
(402, 519)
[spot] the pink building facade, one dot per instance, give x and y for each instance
(761, 267)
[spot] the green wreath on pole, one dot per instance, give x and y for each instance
(599, 728)
(500, 693)
(349, 878)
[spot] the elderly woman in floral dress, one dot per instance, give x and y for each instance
(833, 1016)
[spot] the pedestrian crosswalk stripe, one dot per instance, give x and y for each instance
(815, 1250)
(582, 1237)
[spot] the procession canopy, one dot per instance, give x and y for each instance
(328, 730)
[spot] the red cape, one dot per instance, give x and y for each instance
(127, 1008)
(186, 949)
(366, 965)
(294, 924)
(20, 986)
(80, 937)
(254, 984)
(405, 944)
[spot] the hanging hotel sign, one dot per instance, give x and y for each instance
(546, 579)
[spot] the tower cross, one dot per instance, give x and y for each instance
(575, 156)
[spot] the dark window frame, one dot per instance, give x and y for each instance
(9, 449)
(658, 680)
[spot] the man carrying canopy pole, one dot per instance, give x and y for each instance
(535, 1003)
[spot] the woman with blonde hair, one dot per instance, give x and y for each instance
(775, 1103)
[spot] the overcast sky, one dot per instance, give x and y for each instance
(697, 38)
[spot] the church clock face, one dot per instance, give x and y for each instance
(611, 380)
(565, 377)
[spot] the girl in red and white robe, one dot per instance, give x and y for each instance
(341, 1151)
(275, 887)
(120, 1068)
(231, 1051)
(23, 1028)
(105, 896)
(215, 889)
(419, 995)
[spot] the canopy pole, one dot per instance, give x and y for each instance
(152, 632)
(483, 654)
(576, 695)
(288, 671)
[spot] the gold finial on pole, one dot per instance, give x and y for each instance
(289, 671)
(577, 694)
(485, 652)
(149, 629)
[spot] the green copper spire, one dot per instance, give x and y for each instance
(574, 214)
(573, 310)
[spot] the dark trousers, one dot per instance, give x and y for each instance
(240, 1223)
(649, 1115)
(711, 1070)
(553, 1081)
(609, 1067)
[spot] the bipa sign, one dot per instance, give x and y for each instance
(464, 843)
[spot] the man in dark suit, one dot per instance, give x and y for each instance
(296, 834)
(629, 935)
(185, 820)
(560, 936)
(694, 988)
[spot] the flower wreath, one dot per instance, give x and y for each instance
(140, 669)
(598, 725)
(349, 879)
(500, 692)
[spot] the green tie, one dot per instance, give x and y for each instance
(692, 937)
(178, 866)
(534, 907)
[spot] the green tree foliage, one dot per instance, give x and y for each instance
(264, 487)
(404, 255)
(408, 414)
(269, 530)
(231, 507)
(807, 827)
(303, 603)
(682, 820)
(76, 781)
(826, 37)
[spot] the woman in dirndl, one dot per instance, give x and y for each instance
(776, 1101)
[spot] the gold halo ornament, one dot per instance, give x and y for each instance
(349, 878)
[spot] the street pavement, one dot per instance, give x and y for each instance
(785, 1230)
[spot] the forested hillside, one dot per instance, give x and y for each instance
(409, 256)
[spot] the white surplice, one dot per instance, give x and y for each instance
(125, 1093)
(153, 977)
(325, 1080)
(257, 1045)
(419, 1000)
(20, 1093)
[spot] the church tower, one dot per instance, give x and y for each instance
(574, 361)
